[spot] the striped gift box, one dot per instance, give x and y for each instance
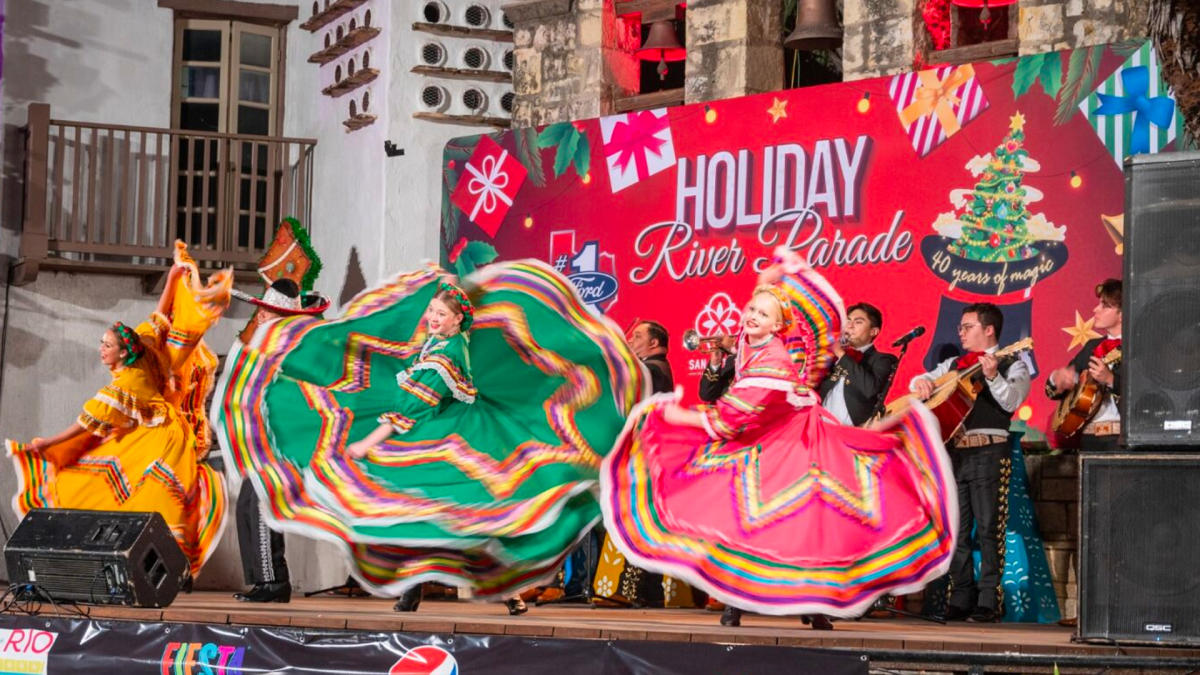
(963, 103)
(1116, 131)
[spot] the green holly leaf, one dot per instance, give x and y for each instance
(583, 155)
(1051, 74)
(552, 135)
(565, 153)
(1028, 69)
(474, 255)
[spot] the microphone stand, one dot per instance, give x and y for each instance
(877, 412)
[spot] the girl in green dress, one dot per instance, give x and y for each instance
(374, 431)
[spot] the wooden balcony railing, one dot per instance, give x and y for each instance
(114, 198)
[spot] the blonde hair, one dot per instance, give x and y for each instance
(785, 308)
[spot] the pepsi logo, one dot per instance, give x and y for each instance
(425, 660)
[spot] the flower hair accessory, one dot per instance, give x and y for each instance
(460, 296)
(130, 342)
(786, 317)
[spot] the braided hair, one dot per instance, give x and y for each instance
(129, 341)
(448, 291)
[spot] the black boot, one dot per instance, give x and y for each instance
(410, 600)
(819, 622)
(732, 616)
(275, 591)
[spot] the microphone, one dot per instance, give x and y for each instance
(909, 336)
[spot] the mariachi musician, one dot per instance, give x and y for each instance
(855, 384)
(979, 452)
(1102, 430)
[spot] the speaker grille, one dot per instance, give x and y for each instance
(1140, 539)
(1161, 308)
(98, 556)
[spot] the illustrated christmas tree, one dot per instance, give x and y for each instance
(995, 224)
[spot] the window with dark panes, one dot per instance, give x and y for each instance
(227, 83)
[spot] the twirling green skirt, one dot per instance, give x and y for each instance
(490, 494)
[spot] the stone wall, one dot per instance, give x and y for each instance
(1054, 487)
(884, 36)
(734, 48)
(1051, 25)
(572, 59)
(879, 37)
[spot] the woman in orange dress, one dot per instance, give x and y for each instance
(139, 442)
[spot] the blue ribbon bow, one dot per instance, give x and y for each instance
(1159, 110)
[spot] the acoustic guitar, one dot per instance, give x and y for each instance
(1083, 402)
(954, 392)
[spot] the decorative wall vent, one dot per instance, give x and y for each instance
(508, 60)
(476, 58)
(347, 36)
(435, 12)
(359, 115)
(474, 100)
(477, 16)
(435, 98)
(506, 102)
(433, 54)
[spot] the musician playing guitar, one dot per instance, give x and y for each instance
(1102, 431)
(979, 452)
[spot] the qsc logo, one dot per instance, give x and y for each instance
(1157, 628)
(425, 660)
(592, 272)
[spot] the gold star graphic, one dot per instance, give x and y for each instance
(1081, 332)
(777, 110)
(1115, 227)
(1016, 122)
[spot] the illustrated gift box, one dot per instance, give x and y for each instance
(637, 145)
(488, 184)
(934, 104)
(1132, 112)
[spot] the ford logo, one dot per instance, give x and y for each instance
(594, 287)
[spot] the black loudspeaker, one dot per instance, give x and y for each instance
(1160, 396)
(1139, 543)
(98, 557)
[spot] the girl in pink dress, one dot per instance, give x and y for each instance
(763, 499)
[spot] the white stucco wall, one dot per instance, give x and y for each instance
(109, 61)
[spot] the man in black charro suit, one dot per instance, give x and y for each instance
(854, 385)
(1103, 430)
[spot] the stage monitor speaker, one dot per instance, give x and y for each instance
(98, 557)
(1139, 543)
(1160, 390)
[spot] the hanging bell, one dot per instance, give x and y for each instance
(662, 45)
(984, 7)
(816, 26)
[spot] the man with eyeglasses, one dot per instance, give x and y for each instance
(980, 454)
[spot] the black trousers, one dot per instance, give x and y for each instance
(261, 547)
(979, 473)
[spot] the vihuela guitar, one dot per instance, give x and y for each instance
(954, 392)
(1083, 402)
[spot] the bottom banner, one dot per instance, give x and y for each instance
(30, 644)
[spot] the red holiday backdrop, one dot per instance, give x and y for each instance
(918, 193)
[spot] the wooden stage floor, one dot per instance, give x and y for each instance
(584, 622)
